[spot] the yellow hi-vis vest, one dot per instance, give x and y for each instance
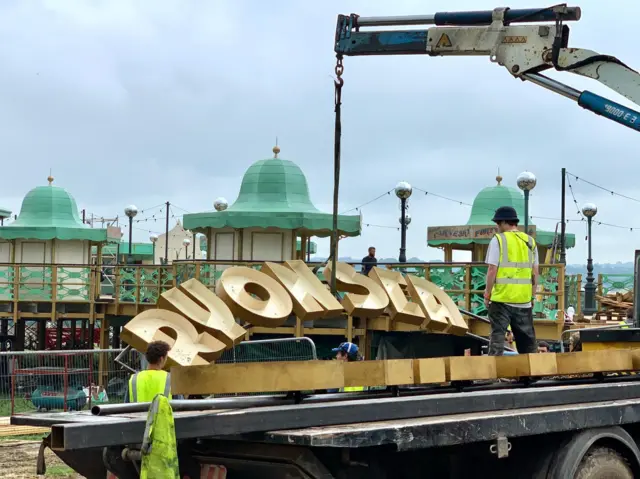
(353, 389)
(144, 386)
(515, 268)
(159, 447)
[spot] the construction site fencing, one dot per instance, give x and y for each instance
(62, 380)
(33, 381)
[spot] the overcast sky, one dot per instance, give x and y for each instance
(147, 101)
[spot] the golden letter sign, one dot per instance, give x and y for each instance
(200, 325)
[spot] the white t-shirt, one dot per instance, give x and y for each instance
(493, 258)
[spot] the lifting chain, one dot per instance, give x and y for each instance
(339, 82)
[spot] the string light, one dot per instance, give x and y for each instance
(357, 208)
(613, 193)
(382, 226)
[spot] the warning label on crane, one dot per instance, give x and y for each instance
(444, 42)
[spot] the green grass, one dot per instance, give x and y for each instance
(21, 405)
(28, 437)
(59, 470)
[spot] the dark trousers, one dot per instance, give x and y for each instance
(521, 320)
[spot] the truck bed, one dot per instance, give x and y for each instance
(407, 422)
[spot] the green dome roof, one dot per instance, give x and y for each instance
(273, 185)
(274, 194)
(487, 202)
(493, 197)
(50, 212)
(49, 206)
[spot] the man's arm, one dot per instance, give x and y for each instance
(536, 271)
(492, 271)
(492, 260)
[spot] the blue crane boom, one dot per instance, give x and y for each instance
(524, 41)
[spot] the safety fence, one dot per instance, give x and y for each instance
(61, 380)
(75, 380)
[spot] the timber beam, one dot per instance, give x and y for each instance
(285, 376)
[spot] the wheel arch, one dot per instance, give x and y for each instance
(569, 456)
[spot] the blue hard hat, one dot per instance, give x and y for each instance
(349, 349)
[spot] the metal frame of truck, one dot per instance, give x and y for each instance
(545, 430)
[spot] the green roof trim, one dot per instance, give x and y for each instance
(50, 212)
(544, 238)
(274, 194)
(487, 202)
(5, 213)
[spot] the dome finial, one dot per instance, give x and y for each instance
(498, 177)
(276, 149)
(50, 178)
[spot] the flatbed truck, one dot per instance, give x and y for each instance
(569, 428)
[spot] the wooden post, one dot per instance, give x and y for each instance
(210, 243)
(299, 330)
(138, 279)
(303, 248)
(240, 244)
(561, 292)
(350, 328)
(294, 245)
(104, 344)
(448, 253)
(578, 307)
(54, 291)
(467, 282)
(16, 282)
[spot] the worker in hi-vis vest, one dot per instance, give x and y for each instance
(144, 385)
(512, 276)
(348, 352)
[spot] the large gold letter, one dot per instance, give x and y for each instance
(399, 308)
(187, 346)
(255, 297)
(311, 299)
(365, 298)
(441, 312)
(204, 309)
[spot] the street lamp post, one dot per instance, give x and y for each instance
(589, 210)
(154, 238)
(131, 211)
(186, 242)
(526, 182)
(403, 191)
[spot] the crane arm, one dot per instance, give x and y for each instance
(524, 41)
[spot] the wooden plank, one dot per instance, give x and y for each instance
(592, 346)
(429, 371)
(594, 361)
(394, 372)
(257, 377)
(526, 365)
(469, 368)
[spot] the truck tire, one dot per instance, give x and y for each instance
(603, 463)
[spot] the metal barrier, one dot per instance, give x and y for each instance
(569, 331)
(281, 349)
(61, 380)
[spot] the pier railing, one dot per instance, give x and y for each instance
(141, 285)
